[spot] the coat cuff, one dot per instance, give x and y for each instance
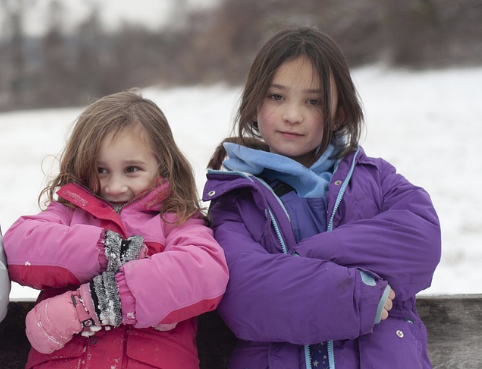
(128, 302)
(101, 247)
(378, 317)
(374, 292)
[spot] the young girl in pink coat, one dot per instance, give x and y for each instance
(122, 254)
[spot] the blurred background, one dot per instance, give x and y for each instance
(57, 53)
(417, 65)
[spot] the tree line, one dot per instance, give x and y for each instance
(66, 69)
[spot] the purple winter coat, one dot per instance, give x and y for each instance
(283, 296)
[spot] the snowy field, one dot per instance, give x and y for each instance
(428, 124)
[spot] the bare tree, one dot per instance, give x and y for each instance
(55, 81)
(90, 60)
(14, 61)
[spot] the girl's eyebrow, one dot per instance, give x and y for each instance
(134, 161)
(309, 90)
(126, 162)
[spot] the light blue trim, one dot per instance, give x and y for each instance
(276, 196)
(307, 357)
(367, 279)
(273, 220)
(278, 233)
(331, 354)
(267, 211)
(384, 297)
(342, 190)
(285, 251)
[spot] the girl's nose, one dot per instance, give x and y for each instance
(293, 114)
(115, 187)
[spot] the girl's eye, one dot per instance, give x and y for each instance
(132, 169)
(101, 170)
(314, 101)
(275, 97)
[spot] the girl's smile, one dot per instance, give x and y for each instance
(290, 134)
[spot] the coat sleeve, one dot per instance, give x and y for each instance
(275, 297)
(4, 281)
(185, 280)
(46, 251)
(400, 241)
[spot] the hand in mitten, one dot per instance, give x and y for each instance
(119, 250)
(53, 322)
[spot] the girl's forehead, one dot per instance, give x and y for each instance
(299, 74)
(132, 133)
(299, 71)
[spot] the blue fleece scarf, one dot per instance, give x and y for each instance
(308, 182)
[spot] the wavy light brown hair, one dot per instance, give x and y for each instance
(113, 113)
(331, 66)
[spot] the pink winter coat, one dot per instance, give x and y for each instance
(185, 275)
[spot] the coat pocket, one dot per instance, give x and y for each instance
(395, 343)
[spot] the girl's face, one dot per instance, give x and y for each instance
(290, 118)
(126, 166)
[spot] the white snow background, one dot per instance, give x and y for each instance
(428, 124)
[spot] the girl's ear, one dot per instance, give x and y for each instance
(339, 118)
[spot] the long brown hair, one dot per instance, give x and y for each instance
(331, 66)
(113, 113)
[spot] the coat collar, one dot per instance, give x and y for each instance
(80, 196)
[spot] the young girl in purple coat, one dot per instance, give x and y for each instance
(326, 247)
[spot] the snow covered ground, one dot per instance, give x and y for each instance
(428, 124)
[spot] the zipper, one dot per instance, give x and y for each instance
(278, 233)
(273, 220)
(330, 348)
(342, 191)
(308, 357)
(268, 212)
(285, 251)
(331, 354)
(306, 348)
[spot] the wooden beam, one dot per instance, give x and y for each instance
(454, 325)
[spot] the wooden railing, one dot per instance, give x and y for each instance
(454, 325)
